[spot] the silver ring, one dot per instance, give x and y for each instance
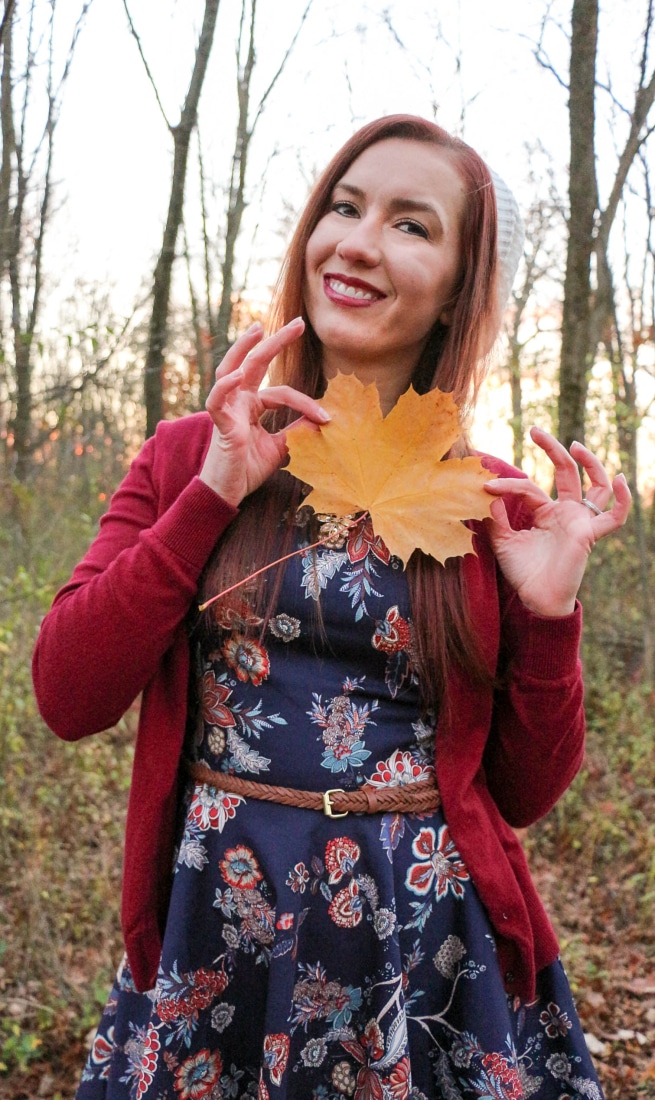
(592, 507)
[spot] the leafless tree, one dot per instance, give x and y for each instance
(531, 316)
(26, 195)
(181, 134)
(587, 307)
(248, 118)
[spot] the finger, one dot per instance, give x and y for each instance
(249, 358)
(262, 355)
(241, 347)
(610, 521)
(601, 486)
(285, 397)
(499, 518)
(522, 487)
(567, 476)
(222, 388)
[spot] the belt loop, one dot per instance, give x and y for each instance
(327, 802)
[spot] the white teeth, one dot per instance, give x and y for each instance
(351, 291)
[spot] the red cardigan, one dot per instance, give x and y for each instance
(117, 629)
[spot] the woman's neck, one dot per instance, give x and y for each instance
(391, 379)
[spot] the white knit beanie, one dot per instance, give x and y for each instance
(511, 235)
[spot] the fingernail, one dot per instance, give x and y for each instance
(256, 326)
(577, 443)
(295, 321)
(323, 413)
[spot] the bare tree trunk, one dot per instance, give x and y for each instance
(245, 131)
(236, 203)
(25, 208)
(153, 382)
(583, 202)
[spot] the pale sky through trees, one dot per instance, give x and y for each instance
(113, 152)
(471, 59)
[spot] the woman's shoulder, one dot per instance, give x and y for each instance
(171, 457)
(185, 430)
(181, 443)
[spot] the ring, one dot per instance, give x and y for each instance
(592, 507)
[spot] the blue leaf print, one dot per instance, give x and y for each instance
(318, 569)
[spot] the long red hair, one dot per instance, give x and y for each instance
(453, 360)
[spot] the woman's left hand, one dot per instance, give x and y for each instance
(545, 564)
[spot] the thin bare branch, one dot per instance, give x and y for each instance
(262, 102)
(134, 34)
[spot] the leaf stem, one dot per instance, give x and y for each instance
(226, 591)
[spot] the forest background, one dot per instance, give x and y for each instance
(154, 159)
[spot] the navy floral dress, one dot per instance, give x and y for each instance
(315, 958)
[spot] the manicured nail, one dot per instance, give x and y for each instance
(255, 327)
(323, 413)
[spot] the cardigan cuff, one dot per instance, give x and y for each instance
(542, 648)
(194, 522)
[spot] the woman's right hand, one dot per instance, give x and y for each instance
(242, 454)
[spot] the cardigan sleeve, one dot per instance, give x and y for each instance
(110, 625)
(536, 742)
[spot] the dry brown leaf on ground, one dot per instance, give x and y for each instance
(390, 467)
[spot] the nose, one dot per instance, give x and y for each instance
(360, 242)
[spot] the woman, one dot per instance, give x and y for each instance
(396, 953)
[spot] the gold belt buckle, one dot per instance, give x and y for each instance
(327, 802)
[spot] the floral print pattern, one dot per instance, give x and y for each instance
(312, 959)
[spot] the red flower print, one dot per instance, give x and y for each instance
(239, 614)
(197, 1076)
(214, 697)
(392, 633)
(201, 988)
(148, 1065)
(103, 1048)
(284, 921)
(555, 1022)
(248, 659)
(400, 768)
(442, 865)
(298, 878)
(262, 1091)
(346, 907)
(240, 868)
(398, 1082)
(373, 1041)
(369, 1085)
(206, 986)
(502, 1073)
(211, 808)
(341, 855)
(362, 541)
(276, 1055)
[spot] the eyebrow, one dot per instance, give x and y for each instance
(415, 205)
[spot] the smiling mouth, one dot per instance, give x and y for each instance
(355, 290)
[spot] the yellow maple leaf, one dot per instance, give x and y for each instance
(390, 467)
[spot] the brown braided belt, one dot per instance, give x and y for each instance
(413, 798)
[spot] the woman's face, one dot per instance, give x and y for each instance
(382, 264)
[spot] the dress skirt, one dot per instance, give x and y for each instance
(314, 958)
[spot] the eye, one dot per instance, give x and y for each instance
(414, 229)
(345, 208)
